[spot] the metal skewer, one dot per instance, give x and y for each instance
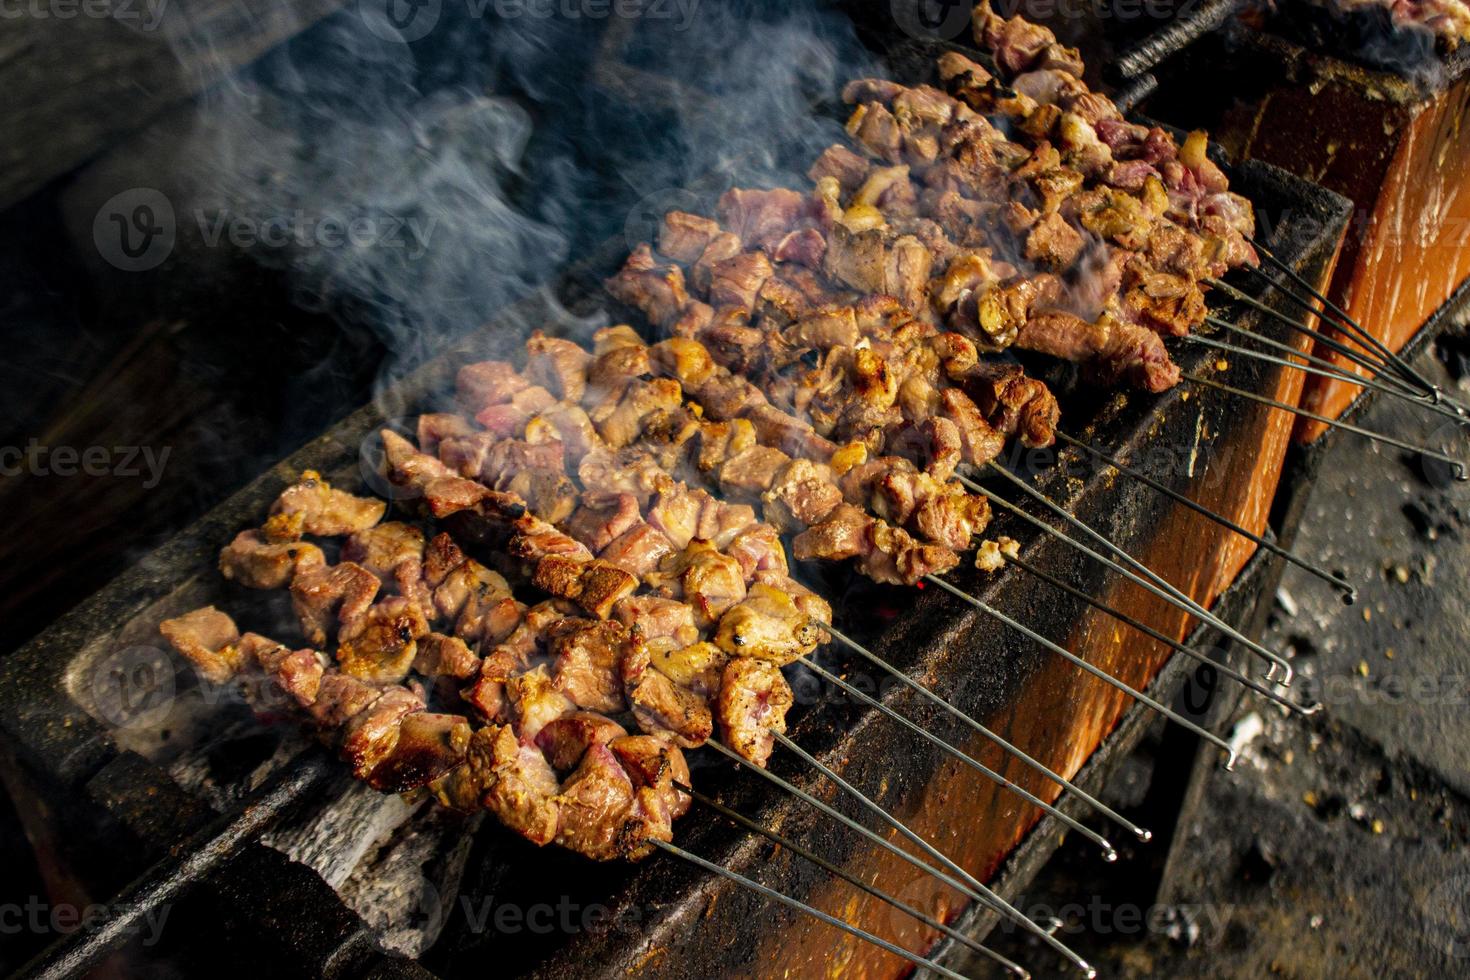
(978, 892)
(1459, 468)
(1110, 854)
(1359, 357)
(1097, 672)
(1388, 380)
(1149, 631)
(1351, 325)
(1320, 367)
(1153, 583)
(852, 879)
(909, 682)
(801, 906)
(1350, 594)
(898, 825)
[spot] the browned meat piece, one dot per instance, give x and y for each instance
(548, 493)
(533, 539)
(1163, 302)
(758, 548)
(312, 506)
(747, 474)
(825, 329)
(435, 427)
(696, 667)
(208, 639)
(441, 557)
(650, 618)
(558, 365)
(857, 258)
(445, 656)
(952, 519)
(801, 494)
(521, 787)
(960, 71)
(655, 765)
(469, 594)
(341, 697)
(380, 647)
(935, 444)
(1137, 356)
(595, 585)
(788, 433)
(734, 343)
(256, 562)
(722, 247)
(813, 606)
(752, 703)
(727, 396)
(586, 656)
(979, 442)
(711, 582)
(1053, 243)
(895, 558)
(736, 281)
(842, 165)
(1015, 43)
(498, 422)
(683, 237)
(767, 625)
(1014, 403)
(488, 383)
(692, 320)
(806, 247)
(613, 370)
(596, 808)
(602, 517)
(297, 673)
(627, 472)
(844, 534)
(661, 706)
(422, 475)
(566, 740)
(344, 591)
(568, 425)
(876, 130)
(761, 218)
(639, 550)
(656, 290)
(392, 551)
(429, 745)
(535, 700)
(372, 732)
(678, 512)
(622, 422)
(683, 359)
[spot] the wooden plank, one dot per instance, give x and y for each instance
(77, 82)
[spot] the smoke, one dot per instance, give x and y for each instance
(421, 180)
